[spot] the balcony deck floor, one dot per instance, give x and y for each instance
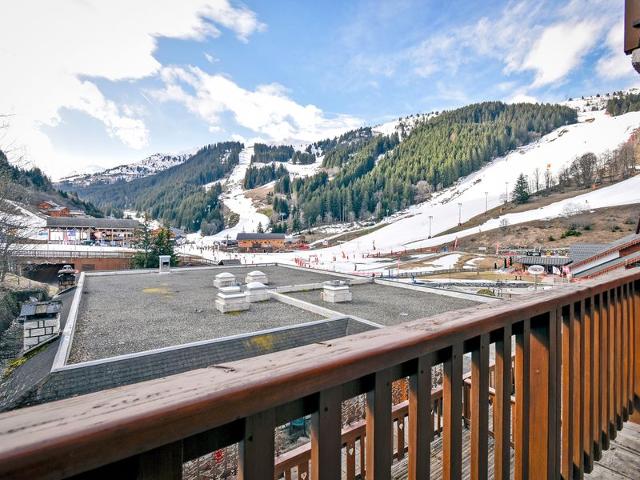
(622, 460)
(399, 468)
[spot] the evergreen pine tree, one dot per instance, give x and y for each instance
(521, 190)
(260, 229)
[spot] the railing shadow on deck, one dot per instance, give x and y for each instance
(576, 378)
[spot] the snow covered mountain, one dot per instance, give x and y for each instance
(149, 166)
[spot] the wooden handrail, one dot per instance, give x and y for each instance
(581, 340)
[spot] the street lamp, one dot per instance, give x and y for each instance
(486, 202)
(459, 214)
(430, 218)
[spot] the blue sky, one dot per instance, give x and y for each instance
(104, 83)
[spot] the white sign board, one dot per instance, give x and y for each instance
(536, 269)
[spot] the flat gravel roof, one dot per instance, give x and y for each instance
(121, 314)
(388, 305)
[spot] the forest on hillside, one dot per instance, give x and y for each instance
(175, 196)
(383, 175)
(271, 153)
(31, 185)
(623, 103)
(258, 176)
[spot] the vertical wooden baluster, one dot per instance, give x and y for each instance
(568, 373)
(303, 471)
(542, 376)
(618, 356)
(420, 420)
(351, 461)
(363, 457)
(400, 435)
(502, 407)
(452, 413)
(466, 412)
(596, 437)
(578, 389)
(631, 359)
(480, 409)
(555, 392)
(256, 451)
(636, 344)
(604, 369)
(163, 463)
(624, 352)
(379, 446)
(630, 334)
(587, 398)
(326, 443)
(612, 364)
(523, 397)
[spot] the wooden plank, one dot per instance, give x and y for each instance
(420, 420)
(523, 397)
(568, 373)
(556, 390)
(618, 357)
(577, 422)
(351, 460)
(452, 414)
(326, 441)
(612, 364)
(636, 343)
(596, 437)
(164, 463)
(480, 409)
(587, 396)
(624, 352)
(256, 450)
(379, 438)
(604, 369)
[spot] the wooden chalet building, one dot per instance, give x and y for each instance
(260, 242)
(78, 230)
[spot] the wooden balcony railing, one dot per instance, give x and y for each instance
(576, 378)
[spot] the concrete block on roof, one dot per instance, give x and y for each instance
(336, 291)
(256, 292)
(257, 276)
(231, 299)
(224, 279)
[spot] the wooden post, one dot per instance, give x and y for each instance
(578, 388)
(568, 332)
(587, 399)
(542, 391)
(420, 420)
(379, 452)
(256, 459)
(502, 406)
(523, 397)
(326, 443)
(163, 463)
(480, 409)
(452, 411)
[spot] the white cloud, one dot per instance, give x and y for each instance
(267, 110)
(50, 53)
(560, 49)
(537, 36)
(616, 64)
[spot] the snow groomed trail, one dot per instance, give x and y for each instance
(235, 200)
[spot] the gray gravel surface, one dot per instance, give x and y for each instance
(122, 314)
(388, 305)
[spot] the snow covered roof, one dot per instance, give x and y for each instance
(90, 222)
(260, 236)
(555, 261)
